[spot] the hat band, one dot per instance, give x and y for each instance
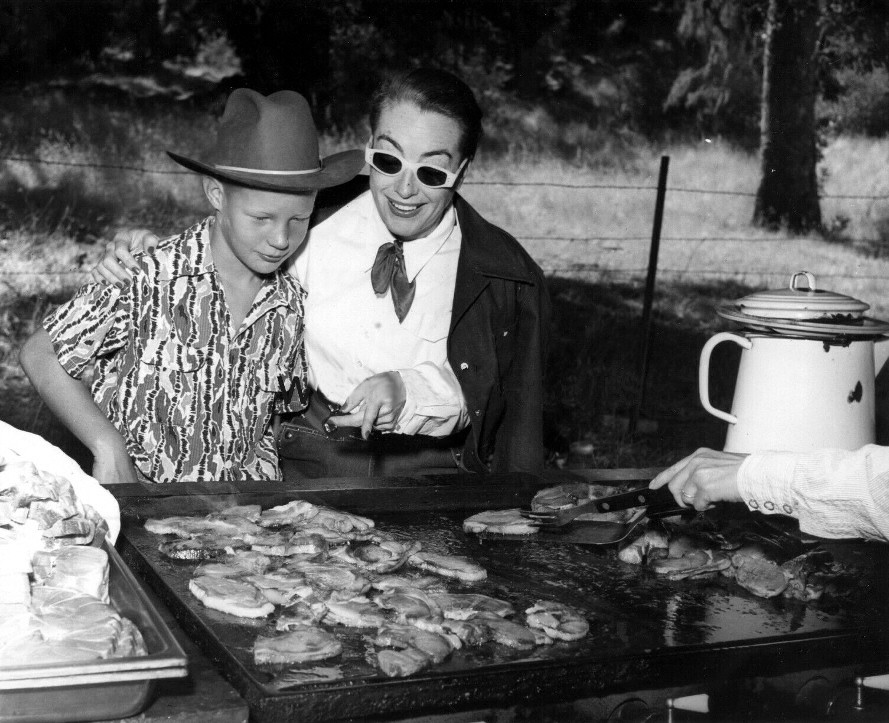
(268, 173)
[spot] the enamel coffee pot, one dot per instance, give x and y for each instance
(807, 371)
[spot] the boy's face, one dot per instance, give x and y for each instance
(259, 230)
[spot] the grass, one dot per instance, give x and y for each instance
(588, 225)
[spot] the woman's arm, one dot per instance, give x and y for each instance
(72, 403)
(117, 265)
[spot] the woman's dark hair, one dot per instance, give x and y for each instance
(436, 91)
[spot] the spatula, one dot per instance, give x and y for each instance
(659, 499)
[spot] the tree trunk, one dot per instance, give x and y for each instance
(788, 191)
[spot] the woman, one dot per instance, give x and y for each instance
(425, 324)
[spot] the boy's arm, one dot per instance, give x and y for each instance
(73, 404)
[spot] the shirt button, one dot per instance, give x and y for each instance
(788, 509)
(753, 504)
(769, 505)
(464, 366)
(505, 333)
(478, 412)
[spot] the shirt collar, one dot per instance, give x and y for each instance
(417, 252)
(190, 252)
(192, 257)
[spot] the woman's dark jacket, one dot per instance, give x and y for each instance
(497, 339)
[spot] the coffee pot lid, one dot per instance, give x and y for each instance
(803, 309)
(800, 302)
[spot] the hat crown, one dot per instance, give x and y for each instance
(272, 133)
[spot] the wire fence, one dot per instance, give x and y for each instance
(596, 268)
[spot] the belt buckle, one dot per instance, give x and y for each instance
(335, 411)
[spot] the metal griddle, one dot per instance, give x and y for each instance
(645, 631)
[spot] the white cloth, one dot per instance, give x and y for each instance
(49, 458)
(352, 334)
(833, 493)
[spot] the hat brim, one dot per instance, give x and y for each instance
(335, 169)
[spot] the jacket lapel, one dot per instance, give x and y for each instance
(482, 256)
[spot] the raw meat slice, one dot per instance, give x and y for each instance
(557, 620)
(461, 568)
(500, 522)
(82, 569)
(302, 645)
(75, 530)
(130, 642)
(230, 596)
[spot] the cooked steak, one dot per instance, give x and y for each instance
(301, 645)
(461, 568)
(230, 596)
(500, 522)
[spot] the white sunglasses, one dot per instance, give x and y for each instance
(390, 163)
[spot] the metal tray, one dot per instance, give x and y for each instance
(100, 689)
(645, 632)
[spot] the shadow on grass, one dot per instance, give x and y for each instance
(593, 378)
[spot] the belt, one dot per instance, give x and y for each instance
(320, 409)
(317, 415)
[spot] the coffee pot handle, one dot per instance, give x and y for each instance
(704, 372)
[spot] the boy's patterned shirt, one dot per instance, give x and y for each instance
(192, 398)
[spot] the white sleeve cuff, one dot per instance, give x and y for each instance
(434, 403)
(765, 482)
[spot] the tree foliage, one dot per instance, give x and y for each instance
(620, 65)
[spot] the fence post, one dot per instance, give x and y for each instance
(649, 291)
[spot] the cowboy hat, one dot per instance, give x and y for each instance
(270, 143)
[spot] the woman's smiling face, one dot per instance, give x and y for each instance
(409, 209)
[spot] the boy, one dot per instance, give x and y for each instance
(195, 355)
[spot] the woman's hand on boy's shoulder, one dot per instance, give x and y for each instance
(118, 263)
